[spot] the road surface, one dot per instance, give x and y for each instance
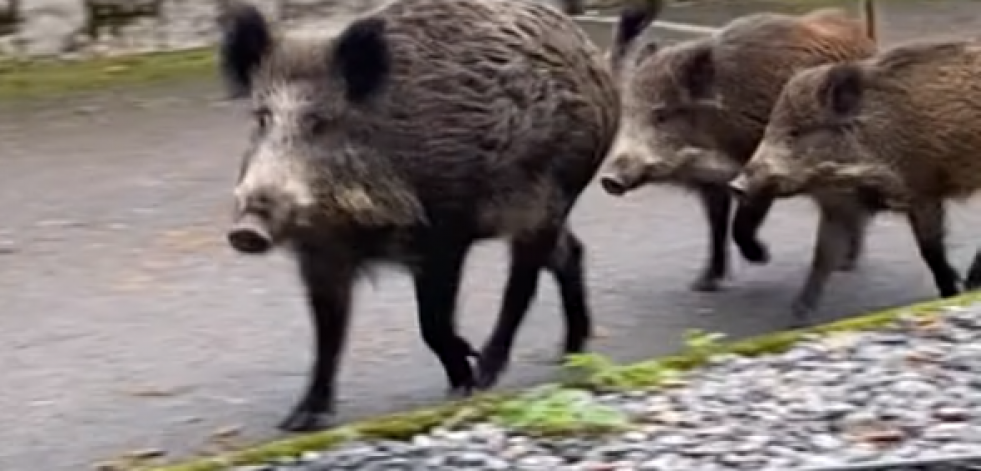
(128, 324)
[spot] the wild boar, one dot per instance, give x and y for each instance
(421, 128)
(694, 112)
(900, 128)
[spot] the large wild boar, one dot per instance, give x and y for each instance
(901, 128)
(421, 128)
(694, 112)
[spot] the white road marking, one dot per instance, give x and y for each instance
(668, 25)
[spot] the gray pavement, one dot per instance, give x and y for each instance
(127, 323)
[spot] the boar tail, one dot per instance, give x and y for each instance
(869, 15)
(635, 17)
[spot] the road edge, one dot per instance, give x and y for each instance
(407, 424)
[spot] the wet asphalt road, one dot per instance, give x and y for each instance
(127, 323)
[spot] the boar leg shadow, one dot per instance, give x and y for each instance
(717, 202)
(562, 253)
(928, 222)
(839, 244)
(328, 283)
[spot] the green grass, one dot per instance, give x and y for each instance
(562, 408)
(23, 80)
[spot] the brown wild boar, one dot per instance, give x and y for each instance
(694, 112)
(900, 128)
(421, 128)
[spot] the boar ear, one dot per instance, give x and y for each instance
(699, 73)
(246, 40)
(634, 19)
(842, 91)
(362, 57)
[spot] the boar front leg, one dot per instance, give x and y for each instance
(567, 265)
(830, 249)
(717, 203)
(437, 282)
(928, 222)
(750, 214)
(328, 284)
(529, 255)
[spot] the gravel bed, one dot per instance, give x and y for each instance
(852, 401)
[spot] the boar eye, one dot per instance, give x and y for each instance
(660, 115)
(262, 117)
(314, 123)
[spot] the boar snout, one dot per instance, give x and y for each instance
(614, 184)
(628, 171)
(250, 235)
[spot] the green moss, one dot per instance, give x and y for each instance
(20, 79)
(394, 427)
(656, 372)
(645, 374)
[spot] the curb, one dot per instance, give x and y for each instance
(408, 424)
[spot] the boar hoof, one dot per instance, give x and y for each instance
(307, 421)
(801, 315)
(459, 392)
(755, 252)
(847, 265)
(491, 367)
(707, 284)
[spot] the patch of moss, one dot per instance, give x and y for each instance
(394, 427)
(653, 373)
(643, 375)
(28, 79)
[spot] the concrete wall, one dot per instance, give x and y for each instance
(73, 28)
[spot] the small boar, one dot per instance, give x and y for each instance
(421, 128)
(900, 128)
(695, 111)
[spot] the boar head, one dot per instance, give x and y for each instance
(670, 114)
(311, 154)
(816, 140)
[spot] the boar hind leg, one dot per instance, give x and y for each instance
(830, 248)
(567, 267)
(437, 282)
(529, 255)
(328, 286)
(750, 215)
(718, 206)
(928, 222)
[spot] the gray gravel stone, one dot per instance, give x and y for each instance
(903, 393)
